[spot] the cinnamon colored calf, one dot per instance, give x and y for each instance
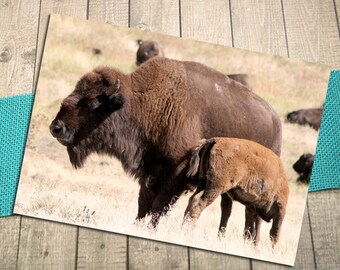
(244, 171)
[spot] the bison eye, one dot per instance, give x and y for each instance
(93, 104)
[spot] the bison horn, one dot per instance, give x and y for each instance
(117, 84)
(113, 89)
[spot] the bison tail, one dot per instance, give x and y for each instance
(199, 155)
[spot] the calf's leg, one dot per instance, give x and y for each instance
(252, 225)
(276, 226)
(198, 202)
(226, 205)
(258, 222)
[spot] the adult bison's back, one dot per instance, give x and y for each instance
(151, 118)
(192, 100)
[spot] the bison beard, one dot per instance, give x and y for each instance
(151, 118)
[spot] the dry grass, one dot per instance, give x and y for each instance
(101, 195)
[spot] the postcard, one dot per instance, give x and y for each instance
(172, 139)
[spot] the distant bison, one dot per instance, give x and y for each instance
(151, 118)
(311, 117)
(303, 166)
(244, 171)
(147, 50)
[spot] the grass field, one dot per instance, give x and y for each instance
(101, 195)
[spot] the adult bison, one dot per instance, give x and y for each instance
(311, 117)
(149, 49)
(303, 166)
(151, 118)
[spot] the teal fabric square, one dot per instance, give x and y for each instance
(15, 112)
(326, 167)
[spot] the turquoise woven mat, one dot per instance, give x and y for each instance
(326, 167)
(15, 114)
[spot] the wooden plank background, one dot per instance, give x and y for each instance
(304, 29)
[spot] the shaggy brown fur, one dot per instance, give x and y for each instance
(244, 171)
(311, 117)
(303, 166)
(241, 78)
(147, 49)
(151, 118)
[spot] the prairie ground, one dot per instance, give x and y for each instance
(101, 195)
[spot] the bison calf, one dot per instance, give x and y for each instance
(303, 166)
(244, 171)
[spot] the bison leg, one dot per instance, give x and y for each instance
(145, 200)
(200, 187)
(226, 205)
(161, 205)
(198, 202)
(276, 226)
(258, 222)
(251, 224)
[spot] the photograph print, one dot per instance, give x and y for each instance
(172, 139)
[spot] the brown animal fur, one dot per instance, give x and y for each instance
(303, 166)
(151, 118)
(311, 117)
(244, 171)
(147, 49)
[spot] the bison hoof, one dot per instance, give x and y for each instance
(140, 222)
(221, 233)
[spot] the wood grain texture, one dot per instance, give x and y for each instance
(109, 11)
(258, 26)
(312, 34)
(206, 21)
(96, 249)
(200, 259)
(101, 250)
(46, 245)
(324, 213)
(18, 32)
(148, 254)
(337, 10)
(76, 9)
(312, 31)
(156, 16)
(9, 241)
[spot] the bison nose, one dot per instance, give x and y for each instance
(57, 128)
